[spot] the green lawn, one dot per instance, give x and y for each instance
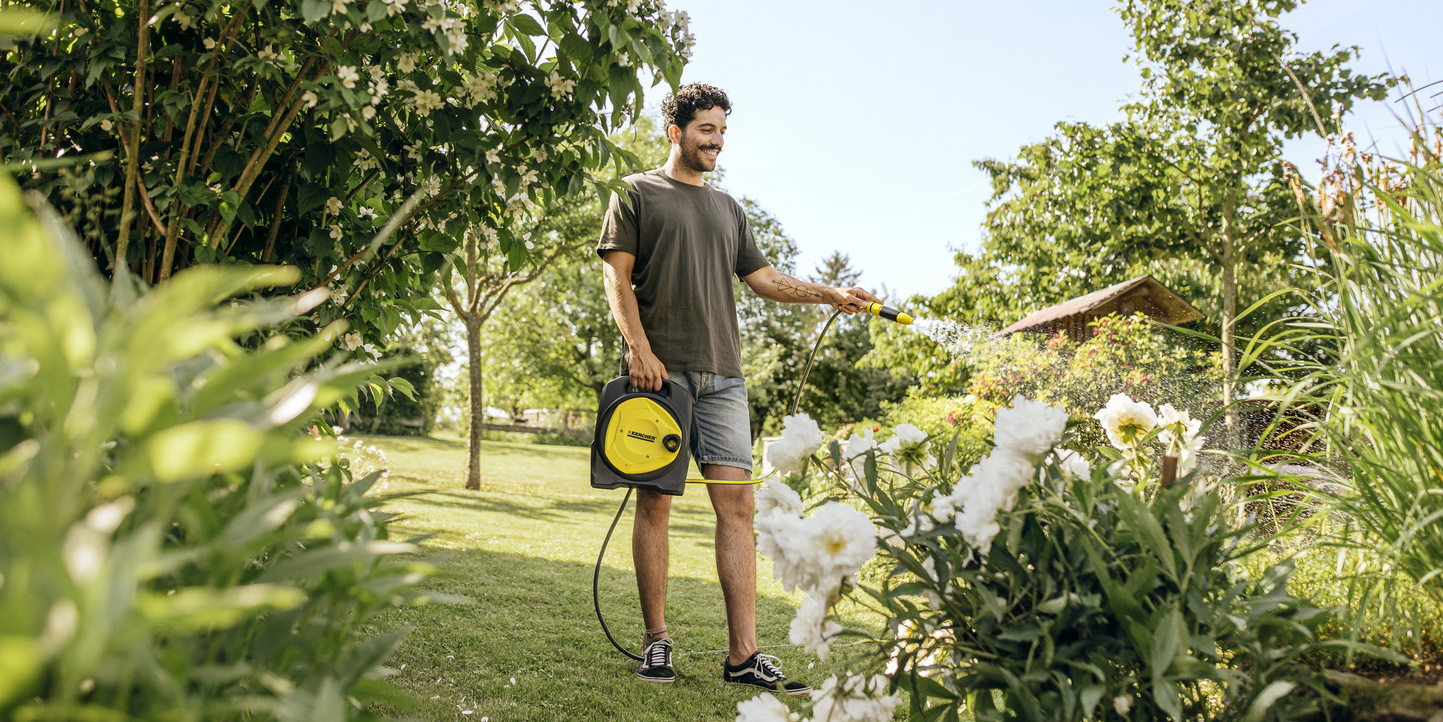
(522, 549)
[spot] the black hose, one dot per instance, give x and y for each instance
(596, 579)
(810, 359)
(596, 576)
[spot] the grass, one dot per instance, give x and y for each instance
(522, 549)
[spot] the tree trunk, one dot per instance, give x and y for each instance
(1230, 312)
(478, 404)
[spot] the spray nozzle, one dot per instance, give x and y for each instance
(889, 313)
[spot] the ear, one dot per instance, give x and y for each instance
(673, 132)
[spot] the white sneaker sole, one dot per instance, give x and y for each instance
(655, 680)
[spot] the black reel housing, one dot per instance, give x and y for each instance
(643, 438)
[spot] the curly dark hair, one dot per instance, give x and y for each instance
(680, 108)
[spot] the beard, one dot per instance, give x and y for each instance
(692, 158)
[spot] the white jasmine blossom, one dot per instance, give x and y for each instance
(351, 341)
(801, 437)
(394, 8)
(431, 186)
(310, 99)
(335, 232)
(106, 125)
(333, 205)
(1122, 703)
(425, 101)
(560, 87)
(209, 43)
(493, 156)
(348, 76)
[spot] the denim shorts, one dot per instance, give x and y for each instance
(721, 430)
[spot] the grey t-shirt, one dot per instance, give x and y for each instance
(688, 241)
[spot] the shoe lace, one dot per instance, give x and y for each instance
(657, 653)
(768, 664)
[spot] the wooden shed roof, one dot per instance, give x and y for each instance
(1143, 294)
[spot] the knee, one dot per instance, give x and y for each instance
(736, 507)
(652, 506)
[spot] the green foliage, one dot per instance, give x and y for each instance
(293, 132)
(1376, 309)
(945, 417)
(1092, 602)
(169, 546)
(413, 415)
(1125, 355)
(1188, 188)
(777, 339)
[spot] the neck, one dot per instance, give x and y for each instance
(678, 171)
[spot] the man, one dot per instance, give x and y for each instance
(668, 257)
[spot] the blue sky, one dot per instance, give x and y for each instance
(856, 123)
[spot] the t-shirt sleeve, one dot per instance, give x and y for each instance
(750, 259)
(618, 226)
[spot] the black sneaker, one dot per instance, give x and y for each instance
(760, 670)
(656, 663)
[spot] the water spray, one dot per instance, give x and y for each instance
(643, 441)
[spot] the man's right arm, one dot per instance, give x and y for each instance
(645, 368)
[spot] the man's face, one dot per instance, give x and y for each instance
(701, 140)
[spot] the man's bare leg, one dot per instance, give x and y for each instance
(736, 557)
(650, 550)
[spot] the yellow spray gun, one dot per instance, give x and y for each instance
(889, 313)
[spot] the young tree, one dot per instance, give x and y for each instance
(484, 277)
(1190, 186)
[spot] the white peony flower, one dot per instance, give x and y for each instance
(855, 451)
(1030, 428)
(855, 699)
(907, 446)
(811, 629)
(801, 437)
(815, 553)
(1180, 433)
(990, 487)
(765, 708)
(1126, 421)
(777, 498)
(1073, 465)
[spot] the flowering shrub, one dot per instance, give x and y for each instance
(1036, 586)
(293, 131)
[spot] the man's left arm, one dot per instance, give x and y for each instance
(773, 285)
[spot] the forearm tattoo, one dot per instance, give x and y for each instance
(796, 289)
